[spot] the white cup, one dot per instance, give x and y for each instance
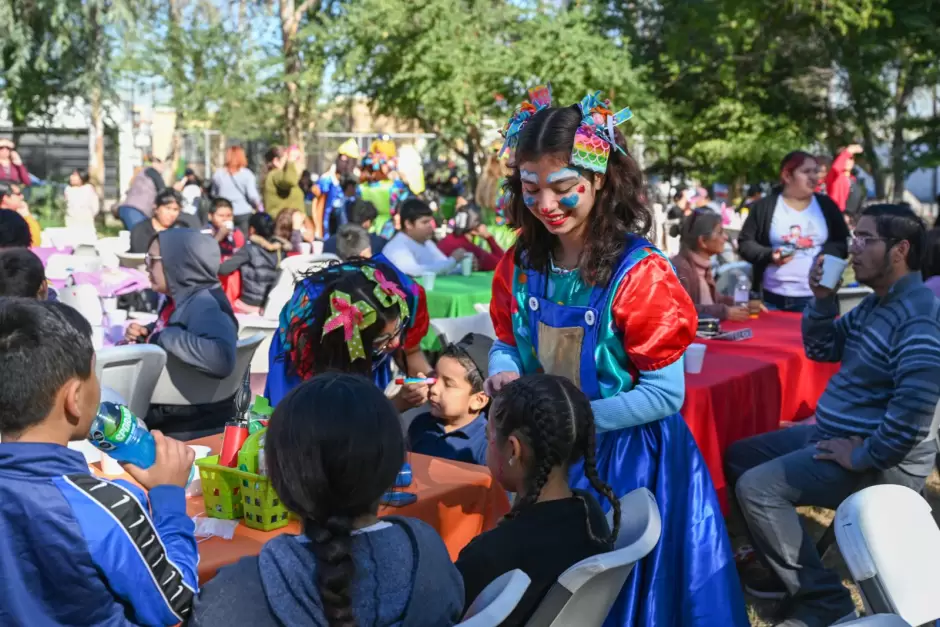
(97, 337)
(110, 466)
(466, 265)
(109, 303)
(427, 279)
(195, 486)
(833, 267)
(694, 358)
(306, 248)
(229, 225)
(117, 317)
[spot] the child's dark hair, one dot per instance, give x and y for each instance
(14, 231)
(413, 209)
(21, 273)
(40, 339)
(619, 208)
(166, 196)
(554, 419)
(220, 202)
(263, 224)
(327, 473)
(82, 175)
(314, 353)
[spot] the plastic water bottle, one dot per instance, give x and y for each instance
(742, 291)
(119, 433)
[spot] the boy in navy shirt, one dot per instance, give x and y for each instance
(455, 428)
(79, 550)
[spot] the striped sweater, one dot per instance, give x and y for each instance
(888, 386)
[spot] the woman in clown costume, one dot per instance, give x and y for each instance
(583, 295)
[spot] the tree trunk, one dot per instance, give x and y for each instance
(96, 156)
(904, 87)
(174, 39)
(291, 16)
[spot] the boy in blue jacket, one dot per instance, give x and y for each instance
(76, 549)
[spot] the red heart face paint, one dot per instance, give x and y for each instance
(580, 189)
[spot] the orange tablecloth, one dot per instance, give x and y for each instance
(459, 500)
(751, 387)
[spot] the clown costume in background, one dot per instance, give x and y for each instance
(620, 336)
(352, 317)
(381, 186)
(328, 191)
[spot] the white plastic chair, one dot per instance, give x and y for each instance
(584, 594)
(59, 266)
(850, 297)
(108, 250)
(71, 237)
(132, 371)
(891, 546)
(85, 300)
(254, 325)
(482, 308)
(132, 260)
(450, 330)
(181, 384)
(878, 620)
(497, 601)
(291, 269)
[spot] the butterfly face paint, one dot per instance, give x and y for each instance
(560, 196)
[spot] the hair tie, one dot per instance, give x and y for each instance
(540, 97)
(595, 135)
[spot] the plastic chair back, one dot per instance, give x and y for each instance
(891, 545)
(132, 260)
(584, 594)
(181, 384)
(71, 237)
(132, 371)
(108, 250)
(84, 299)
(450, 330)
(291, 270)
(497, 601)
(253, 325)
(878, 620)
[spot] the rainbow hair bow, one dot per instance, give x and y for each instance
(350, 317)
(595, 136)
(540, 97)
(386, 291)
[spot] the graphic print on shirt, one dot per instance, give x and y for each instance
(132, 518)
(798, 241)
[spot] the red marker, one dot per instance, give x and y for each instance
(415, 381)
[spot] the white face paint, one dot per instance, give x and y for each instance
(528, 176)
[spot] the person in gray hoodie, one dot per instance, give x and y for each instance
(195, 324)
(349, 567)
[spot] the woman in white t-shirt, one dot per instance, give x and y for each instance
(81, 201)
(785, 231)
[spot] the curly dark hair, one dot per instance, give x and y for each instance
(554, 419)
(619, 208)
(313, 353)
(328, 474)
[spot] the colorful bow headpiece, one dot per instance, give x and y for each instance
(595, 136)
(540, 97)
(351, 318)
(386, 291)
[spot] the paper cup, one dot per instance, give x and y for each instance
(466, 265)
(427, 280)
(110, 466)
(694, 358)
(306, 248)
(97, 337)
(200, 450)
(195, 486)
(833, 267)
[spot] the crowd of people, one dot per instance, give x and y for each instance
(574, 404)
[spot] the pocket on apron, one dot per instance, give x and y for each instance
(560, 351)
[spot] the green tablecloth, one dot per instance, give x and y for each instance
(454, 296)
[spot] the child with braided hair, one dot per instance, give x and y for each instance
(583, 295)
(539, 426)
(349, 567)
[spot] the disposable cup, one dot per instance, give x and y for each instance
(833, 267)
(694, 358)
(306, 248)
(110, 466)
(427, 280)
(466, 265)
(200, 450)
(195, 485)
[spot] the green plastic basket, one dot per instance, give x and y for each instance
(230, 493)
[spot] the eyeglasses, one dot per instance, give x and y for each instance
(149, 259)
(860, 242)
(380, 344)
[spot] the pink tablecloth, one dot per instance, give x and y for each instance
(108, 281)
(45, 252)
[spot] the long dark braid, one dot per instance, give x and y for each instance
(554, 418)
(332, 546)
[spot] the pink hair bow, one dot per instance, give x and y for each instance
(350, 317)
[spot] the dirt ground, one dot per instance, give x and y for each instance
(762, 613)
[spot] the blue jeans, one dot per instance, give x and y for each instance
(777, 302)
(130, 216)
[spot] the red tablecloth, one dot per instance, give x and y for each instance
(751, 387)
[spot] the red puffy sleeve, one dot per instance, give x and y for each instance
(503, 303)
(419, 327)
(654, 313)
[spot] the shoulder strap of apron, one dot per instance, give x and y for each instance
(628, 260)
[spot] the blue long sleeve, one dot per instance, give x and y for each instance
(657, 394)
(504, 358)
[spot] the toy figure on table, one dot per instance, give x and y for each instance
(583, 295)
(353, 317)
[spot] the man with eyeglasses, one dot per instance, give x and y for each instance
(11, 198)
(873, 421)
